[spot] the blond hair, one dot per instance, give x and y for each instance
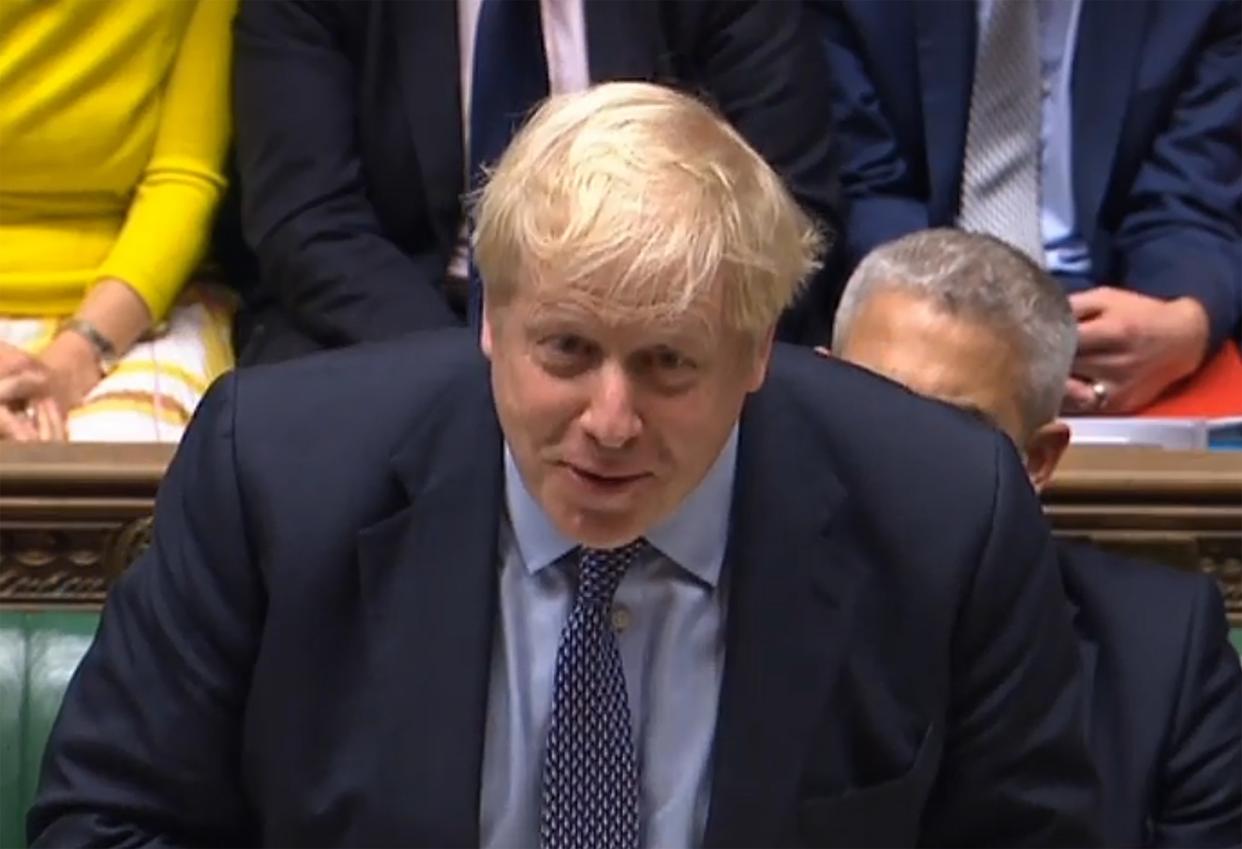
(647, 200)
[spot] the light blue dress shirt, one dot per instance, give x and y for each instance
(669, 614)
(1065, 251)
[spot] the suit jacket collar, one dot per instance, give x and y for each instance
(792, 569)
(946, 31)
(1105, 60)
(427, 578)
(428, 51)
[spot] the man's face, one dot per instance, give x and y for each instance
(967, 364)
(612, 420)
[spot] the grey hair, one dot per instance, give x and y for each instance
(979, 278)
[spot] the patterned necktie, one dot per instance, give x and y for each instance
(1000, 171)
(510, 76)
(590, 772)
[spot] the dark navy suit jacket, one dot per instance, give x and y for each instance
(302, 657)
(349, 145)
(1164, 687)
(1157, 137)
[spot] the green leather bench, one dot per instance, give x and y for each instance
(38, 652)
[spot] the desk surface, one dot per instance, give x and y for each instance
(1120, 470)
(1082, 466)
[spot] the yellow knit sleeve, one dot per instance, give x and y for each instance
(169, 221)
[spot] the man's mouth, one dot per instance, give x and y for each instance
(604, 480)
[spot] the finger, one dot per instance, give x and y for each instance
(60, 422)
(1089, 303)
(51, 422)
(16, 427)
(43, 428)
(12, 359)
(822, 351)
(21, 385)
(1101, 335)
(1109, 367)
(1079, 399)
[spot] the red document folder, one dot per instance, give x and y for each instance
(1215, 391)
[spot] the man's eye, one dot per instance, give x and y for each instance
(666, 359)
(567, 346)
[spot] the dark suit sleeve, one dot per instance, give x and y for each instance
(146, 749)
(884, 198)
(1199, 797)
(757, 61)
(1015, 771)
(323, 252)
(1183, 226)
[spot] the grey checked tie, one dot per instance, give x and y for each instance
(590, 773)
(1000, 171)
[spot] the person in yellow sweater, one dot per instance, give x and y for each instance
(114, 126)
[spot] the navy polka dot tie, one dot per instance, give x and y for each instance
(590, 773)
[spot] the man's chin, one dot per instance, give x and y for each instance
(599, 529)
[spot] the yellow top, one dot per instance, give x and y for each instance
(114, 125)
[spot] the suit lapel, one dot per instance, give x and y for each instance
(429, 65)
(792, 573)
(1105, 59)
(624, 40)
(428, 584)
(945, 36)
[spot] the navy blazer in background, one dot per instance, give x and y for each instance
(1157, 137)
(302, 657)
(1164, 688)
(349, 141)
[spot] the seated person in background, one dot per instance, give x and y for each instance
(1100, 137)
(511, 618)
(967, 319)
(361, 125)
(114, 123)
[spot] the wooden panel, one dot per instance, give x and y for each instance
(73, 516)
(1178, 507)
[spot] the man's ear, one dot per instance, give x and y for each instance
(1043, 451)
(485, 334)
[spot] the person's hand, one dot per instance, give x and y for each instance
(38, 421)
(22, 377)
(74, 368)
(28, 412)
(822, 351)
(1131, 347)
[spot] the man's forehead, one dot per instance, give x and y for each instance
(589, 307)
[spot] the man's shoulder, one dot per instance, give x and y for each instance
(368, 392)
(1131, 596)
(871, 429)
(1148, 619)
(387, 372)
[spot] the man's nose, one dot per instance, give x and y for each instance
(610, 418)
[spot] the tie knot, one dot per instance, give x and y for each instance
(600, 571)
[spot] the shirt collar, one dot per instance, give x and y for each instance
(694, 537)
